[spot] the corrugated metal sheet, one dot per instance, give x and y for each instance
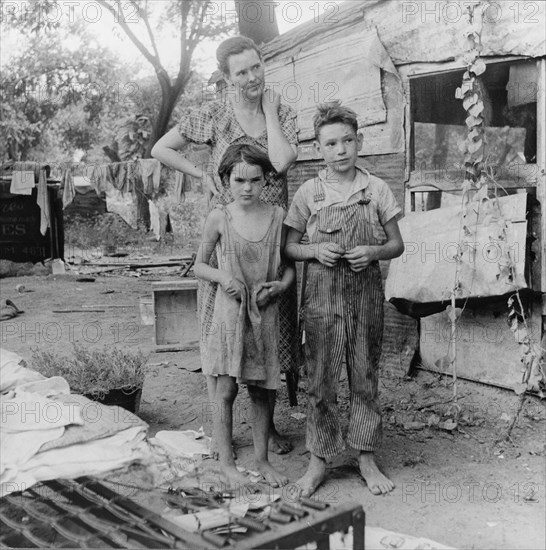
(424, 31)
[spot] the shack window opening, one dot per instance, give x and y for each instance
(509, 91)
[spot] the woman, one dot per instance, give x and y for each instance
(254, 115)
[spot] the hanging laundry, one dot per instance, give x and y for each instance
(98, 178)
(182, 184)
(67, 183)
(43, 202)
(155, 221)
(22, 183)
(150, 170)
(24, 177)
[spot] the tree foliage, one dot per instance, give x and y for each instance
(64, 90)
(55, 91)
(192, 21)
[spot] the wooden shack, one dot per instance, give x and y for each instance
(398, 65)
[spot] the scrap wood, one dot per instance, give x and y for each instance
(90, 306)
(78, 311)
(190, 265)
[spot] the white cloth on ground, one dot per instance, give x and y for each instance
(92, 458)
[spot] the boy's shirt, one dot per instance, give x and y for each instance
(303, 210)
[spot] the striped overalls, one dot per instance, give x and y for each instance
(343, 318)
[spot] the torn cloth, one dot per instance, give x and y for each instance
(150, 172)
(43, 202)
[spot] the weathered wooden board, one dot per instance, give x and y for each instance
(486, 350)
(426, 31)
(426, 271)
(355, 70)
(176, 325)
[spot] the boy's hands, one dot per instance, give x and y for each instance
(329, 253)
(359, 257)
(268, 292)
(233, 287)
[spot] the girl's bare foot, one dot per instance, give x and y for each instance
(313, 477)
(378, 484)
(277, 443)
(233, 477)
(274, 478)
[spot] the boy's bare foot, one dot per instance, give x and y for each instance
(233, 477)
(313, 477)
(378, 484)
(213, 451)
(277, 443)
(271, 476)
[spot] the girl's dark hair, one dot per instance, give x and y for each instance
(234, 46)
(243, 152)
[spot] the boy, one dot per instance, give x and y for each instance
(342, 211)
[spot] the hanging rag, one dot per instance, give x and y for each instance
(155, 224)
(99, 178)
(43, 202)
(116, 175)
(24, 177)
(22, 182)
(150, 170)
(182, 183)
(67, 182)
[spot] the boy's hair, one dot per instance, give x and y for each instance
(234, 46)
(243, 152)
(332, 113)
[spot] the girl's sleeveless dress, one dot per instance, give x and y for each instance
(215, 123)
(242, 340)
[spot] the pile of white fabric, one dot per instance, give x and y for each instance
(47, 433)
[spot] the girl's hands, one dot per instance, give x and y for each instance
(233, 287)
(268, 292)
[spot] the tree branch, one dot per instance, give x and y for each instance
(156, 63)
(149, 29)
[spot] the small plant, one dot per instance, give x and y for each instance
(93, 372)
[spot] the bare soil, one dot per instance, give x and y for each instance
(453, 486)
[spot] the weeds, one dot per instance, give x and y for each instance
(93, 372)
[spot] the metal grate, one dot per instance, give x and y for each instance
(87, 514)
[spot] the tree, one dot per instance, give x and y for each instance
(56, 95)
(193, 21)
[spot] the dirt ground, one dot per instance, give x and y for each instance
(455, 487)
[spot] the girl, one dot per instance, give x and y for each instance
(241, 342)
(247, 113)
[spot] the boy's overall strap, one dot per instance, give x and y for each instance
(319, 191)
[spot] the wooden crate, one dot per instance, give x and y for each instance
(176, 325)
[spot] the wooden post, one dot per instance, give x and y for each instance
(541, 174)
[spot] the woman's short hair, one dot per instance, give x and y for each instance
(234, 46)
(333, 112)
(243, 152)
